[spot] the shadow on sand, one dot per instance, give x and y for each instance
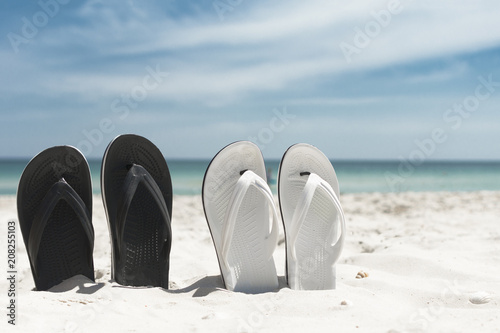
(83, 283)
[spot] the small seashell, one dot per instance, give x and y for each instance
(362, 275)
(346, 303)
(480, 297)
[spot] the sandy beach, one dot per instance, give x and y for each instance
(432, 258)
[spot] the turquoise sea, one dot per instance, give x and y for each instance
(354, 176)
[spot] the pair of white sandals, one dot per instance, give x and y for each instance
(243, 218)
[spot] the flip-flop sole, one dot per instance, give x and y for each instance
(64, 247)
(312, 248)
(250, 270)
(144, 256)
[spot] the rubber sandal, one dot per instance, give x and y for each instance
(54, 202)
(313, 218)
(137, 194)
(242, 218)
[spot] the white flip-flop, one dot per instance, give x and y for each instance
(242, 218)
(313, 218)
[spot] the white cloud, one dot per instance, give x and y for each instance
(282, 50)
(292, 41)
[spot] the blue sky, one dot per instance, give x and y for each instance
(363, 80)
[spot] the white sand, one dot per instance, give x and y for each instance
(427, 254)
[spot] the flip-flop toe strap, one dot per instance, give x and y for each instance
(336, 241)
(59, 191)
(248, 179)
(136, 175)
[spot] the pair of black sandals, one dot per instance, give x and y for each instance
(54, 202)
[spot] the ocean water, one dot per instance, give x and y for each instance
(354, 176)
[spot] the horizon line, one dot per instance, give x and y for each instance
(337, 160)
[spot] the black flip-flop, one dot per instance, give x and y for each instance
(137, 194)
(54, 204)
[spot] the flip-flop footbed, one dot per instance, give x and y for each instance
(65, 242)
(251, 269)
(313, 267)
(139, 210)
